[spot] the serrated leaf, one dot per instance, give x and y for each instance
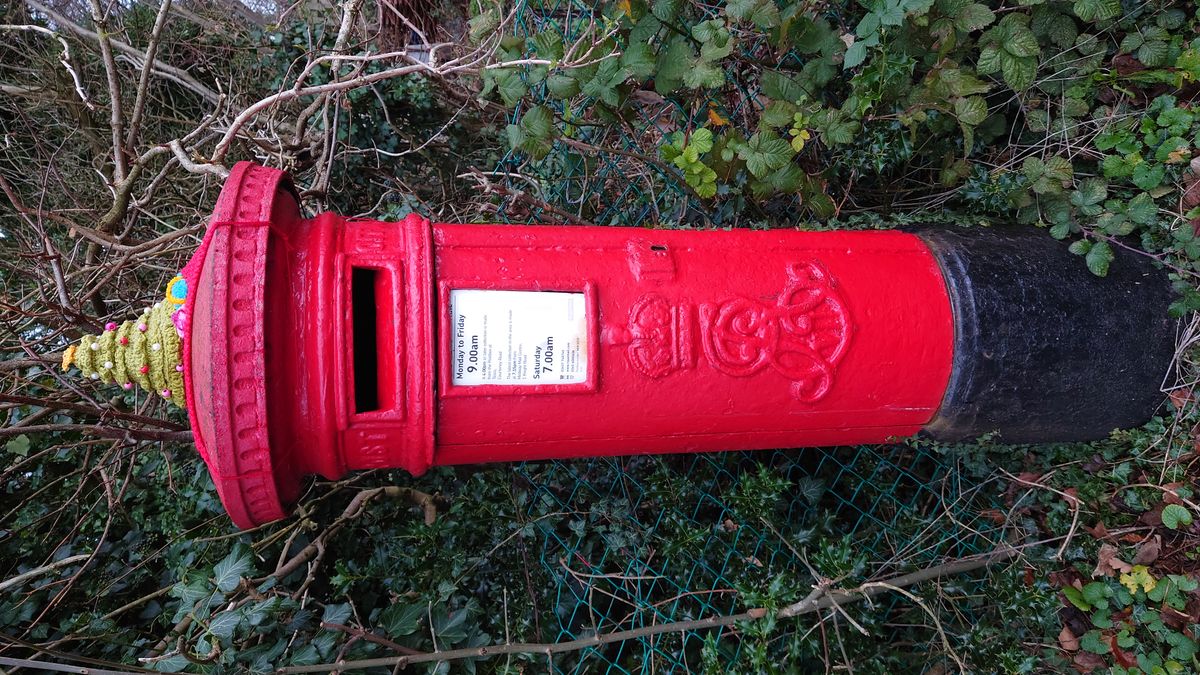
(1018, 72)
(510, 86)
(1098, 258)
(779, 86)
(482, 24)
(1097, 10)
(765, 152)
(778, 113)
(701, 140)
(1148, 176)
(1061, 230)
(973, 17)
(971, 110)
(562, 86)
(1142, 209)
(666, 10)
(638, 60)
(704, 75)
(548, 44)
(989, 60)
(1091, 192)
(855, 55)
(1175, 516)
(1080, 247)
(673, 63)
(228, 573)
(741, 9)
(1092, 641)
(1022, 42)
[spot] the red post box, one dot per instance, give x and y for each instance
(326, 345)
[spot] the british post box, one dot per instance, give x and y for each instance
(325, 345)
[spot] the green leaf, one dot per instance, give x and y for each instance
(1076, 597)
(1098, 258)
(1092, 641)
(1175, 516)
(1148, 176)
(1097, 10)
(971, 110)
(1090, 195)
(701, 140)
(855, 55)
(510, 86)
(336, 613)
(673, 63)
(741, 9)
(1142, 209)
(974, 17)
(666, 10)
(228, 573)
(778, 113)
(989, 60)
(1096, 594)
(1080, 247)
(779, 86)
(1022, 42)
(562, 86)
(765, 152)
(1018, 72)
(704, 75)
(638, 60)
(224, 623)
(401, 620)
(481, 25)
(548, 44)
(18, 445)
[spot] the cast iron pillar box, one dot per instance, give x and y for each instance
(324, 345)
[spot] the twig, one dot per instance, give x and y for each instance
(65, 59)
(812, 603)
(38, 571)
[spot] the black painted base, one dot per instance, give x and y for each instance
(1045, 350)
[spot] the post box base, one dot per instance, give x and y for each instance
(1044, 349)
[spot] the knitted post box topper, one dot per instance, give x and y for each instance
(147, 351)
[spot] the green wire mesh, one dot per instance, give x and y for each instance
(638, 541)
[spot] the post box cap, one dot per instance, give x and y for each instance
(223, 345)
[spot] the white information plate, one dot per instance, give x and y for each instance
(517, 337)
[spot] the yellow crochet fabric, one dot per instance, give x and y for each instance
(145, 351)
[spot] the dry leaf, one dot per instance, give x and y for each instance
(1067, 640)
(1086, 662)
(1148, 551)
(716, 119)
(1108, 564)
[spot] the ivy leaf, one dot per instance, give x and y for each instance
(228, 573)
(1175, 516)
(224, 623)
(765, 152)
(19, 445)
(974, 17)
(1098, 258)
(1097, 10)
(1138, 577)
(401, 620)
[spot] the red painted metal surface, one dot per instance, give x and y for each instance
(688, 341)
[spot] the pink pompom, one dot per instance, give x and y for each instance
(179, 368)
(128, 385)
(110, 326)
(166, 393)
(141, 328)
